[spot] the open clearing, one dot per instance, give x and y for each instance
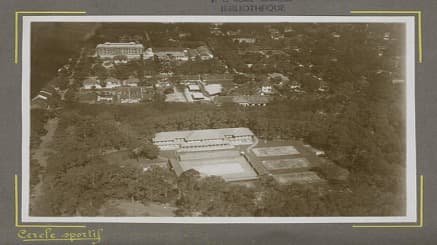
(134, 209)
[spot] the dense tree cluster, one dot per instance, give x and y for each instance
(79, 147)
(213, 66)
(39, 118)
(361, 131)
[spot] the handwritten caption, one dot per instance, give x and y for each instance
(52, 234)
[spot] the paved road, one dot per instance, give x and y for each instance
(255, 143)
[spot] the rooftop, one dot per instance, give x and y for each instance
(112, 80)
(197, 95)
(120, 45)
(213, 89)
(251, 99)
(132, 80)
(169, 50)
(202, 134)
(39, 97)
(193, 87)
(130, 93)
(204, 51)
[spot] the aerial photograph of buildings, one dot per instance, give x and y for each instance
(217, 119)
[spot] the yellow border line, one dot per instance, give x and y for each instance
(17, 15)
(419, 24)
(39, 226)
(420, 225)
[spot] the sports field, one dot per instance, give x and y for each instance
(208, 154)
(221, 168)
(227, 164)
(275, 151)
(280, 164)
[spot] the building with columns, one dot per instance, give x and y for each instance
(109, 50)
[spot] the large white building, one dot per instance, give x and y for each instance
(206, 139)
(171, 53)
(109, 50)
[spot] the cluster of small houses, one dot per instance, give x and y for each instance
(43, 98)
(200, 91)
(112, 90)
(274, 33)
(110, 82)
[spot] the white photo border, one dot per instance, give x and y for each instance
(411, 180)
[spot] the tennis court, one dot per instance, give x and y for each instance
(220, 169)
(275, 151)
(294, 163)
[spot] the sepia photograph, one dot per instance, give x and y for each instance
(210, 119)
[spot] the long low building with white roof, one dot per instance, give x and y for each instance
(205, 139)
